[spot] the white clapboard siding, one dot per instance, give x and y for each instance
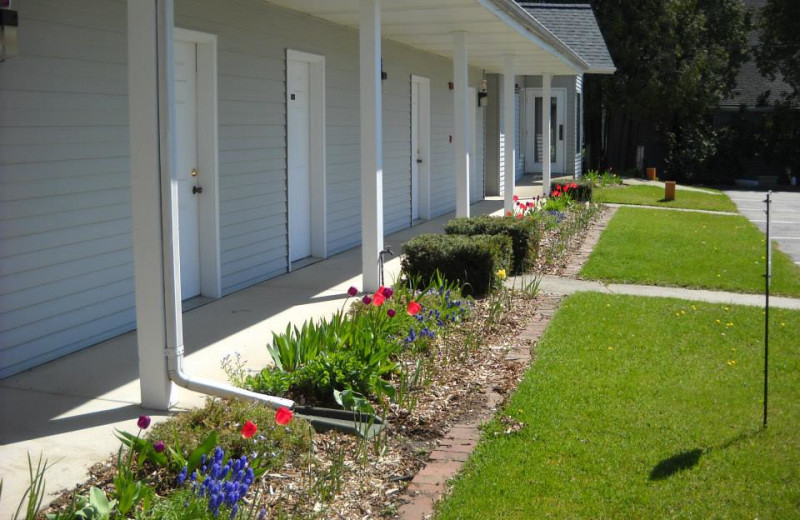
(66, 260)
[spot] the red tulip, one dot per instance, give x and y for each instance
(508, 213)
(413, 308)
(378, 299)
(249, 429)
(283, 416)
(515, 198)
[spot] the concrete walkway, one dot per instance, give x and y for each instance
(660, 184)
(784, 216)
(662, 208)
(68, 409)
(560, 285)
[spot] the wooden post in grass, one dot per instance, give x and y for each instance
(767, 277)
(669, 190)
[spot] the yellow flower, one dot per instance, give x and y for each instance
(694, 307)
(501, 273)
(718, 322)
(731, 362)
(783, 324)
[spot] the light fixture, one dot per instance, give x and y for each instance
(483, 96)
(8, 34)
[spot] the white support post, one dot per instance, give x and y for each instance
(158, 317)
(510, 155)
(546, 110)
(369, 33)
(461, 130)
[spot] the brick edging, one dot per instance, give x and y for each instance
(430, 483)
(587, 245)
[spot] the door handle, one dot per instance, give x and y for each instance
(560, 132)
(194, 172)
(196, 190)
(419, 161)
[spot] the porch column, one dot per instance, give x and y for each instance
(546, 109)
(461, 130)
(510, 155)
(150, 100)
(369, 34)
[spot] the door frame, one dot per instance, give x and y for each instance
(424, 131)
(317, 153)
(207, 159)
(530, 132)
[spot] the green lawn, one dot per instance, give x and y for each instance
(653, 196)
(656, 415)
(690, 250)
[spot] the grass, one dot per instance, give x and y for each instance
(654, 195)
(699, 250)
(654, 416)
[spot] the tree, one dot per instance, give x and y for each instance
(779, 51)
(676, 60)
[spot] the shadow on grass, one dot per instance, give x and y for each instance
(689, 459)
(669, 466)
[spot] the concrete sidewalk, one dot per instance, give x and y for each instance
(68, 409)
(559, 285)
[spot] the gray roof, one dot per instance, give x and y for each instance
(750, 84)
(576, 26)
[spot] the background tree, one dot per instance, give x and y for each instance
(676, 60)
(779, 51)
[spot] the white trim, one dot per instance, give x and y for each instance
(509, 136)
(371, 118)
(424, 129)
(208, 160)
(317, 149)
(461, 122)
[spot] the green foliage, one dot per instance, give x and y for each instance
(128, 490)
(676, 61)
(343, 352)
(581, 190)
(95, 506)
(779, 51)
(471, 261)
(525, 234)
(594, 178)
(34, 494)
(142, 448)
(224, 418)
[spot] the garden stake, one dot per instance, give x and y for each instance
(387, 251)
(767, 277)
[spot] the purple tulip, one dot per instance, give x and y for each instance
(143, 422)
(352, 291)
(366, 300)
(391, 313)
(388, 292)
(159, 446)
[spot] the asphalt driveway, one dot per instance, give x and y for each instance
(784, 217)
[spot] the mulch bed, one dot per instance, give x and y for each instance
(348, 478)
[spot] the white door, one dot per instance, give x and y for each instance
(416, 152)
(534, 132)
(299, 159)
(187, 166)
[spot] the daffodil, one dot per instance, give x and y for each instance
(501, 273)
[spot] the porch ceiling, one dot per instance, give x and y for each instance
(495, 29)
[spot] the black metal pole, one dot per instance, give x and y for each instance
(767, 276)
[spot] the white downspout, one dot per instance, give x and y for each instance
(153, 134)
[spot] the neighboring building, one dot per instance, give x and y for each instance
(751, 99)
(270, 161)
(575, 25)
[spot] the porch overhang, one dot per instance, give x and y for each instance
(494, 29)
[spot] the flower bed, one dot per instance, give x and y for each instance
(416, 355)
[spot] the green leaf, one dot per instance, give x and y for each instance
(101, 504)
(204, 449)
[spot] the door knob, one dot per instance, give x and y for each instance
(419, 161)
(194, 172)
(196, 190)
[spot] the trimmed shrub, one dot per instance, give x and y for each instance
(470, 261)
(525, 234)
(582, 193)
